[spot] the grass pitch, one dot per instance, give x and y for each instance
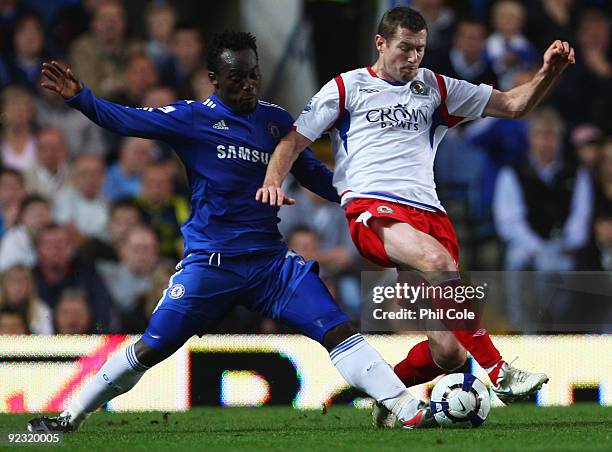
(521, 427)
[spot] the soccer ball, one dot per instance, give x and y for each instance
(460, 400)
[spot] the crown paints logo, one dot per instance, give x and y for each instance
(399, 116)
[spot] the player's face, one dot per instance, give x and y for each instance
(402, 54)
(238, 79)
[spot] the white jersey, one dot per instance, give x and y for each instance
(385, 134)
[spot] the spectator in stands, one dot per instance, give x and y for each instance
(587, 140)
(71, 21)
(163, 210)
(12, 321)
(129, 280)
(507, 49)
(187, 46)
(18, 146)
(58, 270)
(124, 178)
(503, 142)
(17, 291)
(591, 76)
(81, 135)
(598, 255)
(304, 241)
(28, 42)
(441, 22)
(161, 21)
(10, 11)
(81, 204)
(72, 313)
(159, 96)
(49, 173)
(12, 193)
(140, 76)
(603, 180)
(17, 245)
(99, 57)
(124, 216)
(542, 208)
(466, 59)
(548, 20)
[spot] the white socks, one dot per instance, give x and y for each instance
(118, 375)
(363, 368)
(356, 360)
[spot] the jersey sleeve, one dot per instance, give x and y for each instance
(462, 100)
(310, 172)
(313, 175)
(171, 123)
(322, 111)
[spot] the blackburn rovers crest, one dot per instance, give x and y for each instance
(418, 88)
(384, 209)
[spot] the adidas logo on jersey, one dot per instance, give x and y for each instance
(220, 125)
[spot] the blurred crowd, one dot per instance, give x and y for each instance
(90, 221)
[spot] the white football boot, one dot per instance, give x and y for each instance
(514, 384)
(422, 418)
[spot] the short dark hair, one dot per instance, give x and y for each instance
(300, 229)
(32, 199)
(228, 40)
(400, 16)
(125, 203)
(12, 172)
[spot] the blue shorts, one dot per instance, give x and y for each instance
(206, 287)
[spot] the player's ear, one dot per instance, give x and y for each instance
(379, 42)
(213, 79)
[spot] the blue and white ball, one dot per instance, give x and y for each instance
(460, 400)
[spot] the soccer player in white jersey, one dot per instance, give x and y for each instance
(386, 122)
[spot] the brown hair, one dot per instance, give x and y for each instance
(400, 16)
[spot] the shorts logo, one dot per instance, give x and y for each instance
(177, 291)
(384, 209)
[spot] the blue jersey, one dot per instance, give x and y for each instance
(225, 155)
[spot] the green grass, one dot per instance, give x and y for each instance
(521, 427)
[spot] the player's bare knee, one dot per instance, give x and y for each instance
(450, 357)
(337, 334)
(147, 355)
(439, 260)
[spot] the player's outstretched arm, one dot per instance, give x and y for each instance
(522, 99)
(287, 151)
(168, 123)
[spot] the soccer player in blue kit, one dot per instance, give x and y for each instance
(234, 253)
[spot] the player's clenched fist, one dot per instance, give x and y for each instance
(273, 195)
(558, 56)
(60, 79)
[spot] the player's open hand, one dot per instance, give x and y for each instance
(558, 56)
(61, 80)
(274, 195)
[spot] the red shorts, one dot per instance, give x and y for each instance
(436, 224)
